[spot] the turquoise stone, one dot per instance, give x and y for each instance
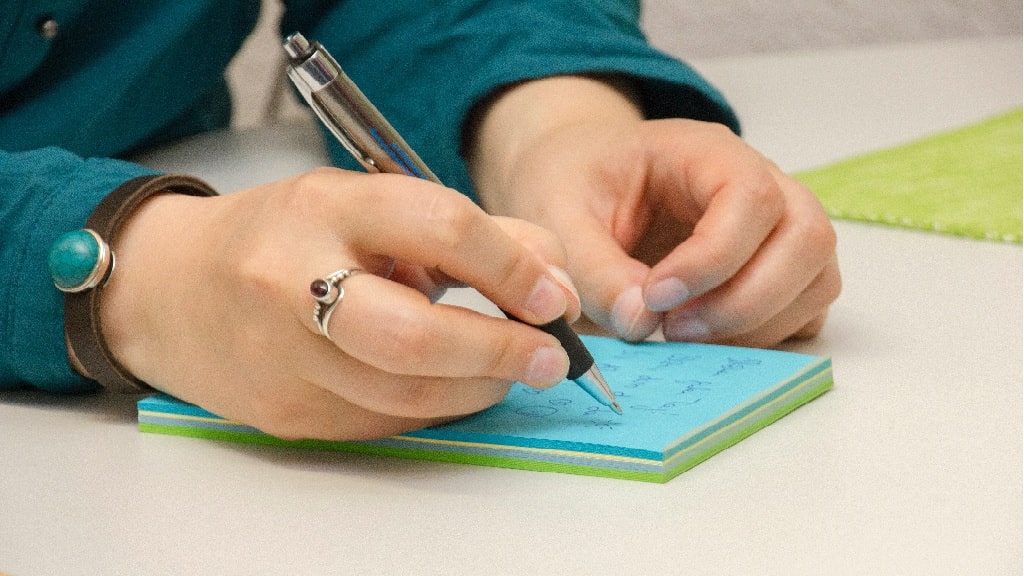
(73, 257)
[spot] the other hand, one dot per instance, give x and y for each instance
(676, 223)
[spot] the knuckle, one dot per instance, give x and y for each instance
(433, 398)
(834, 287)
(830, 284)
(546, 243)
(739, 318)
(765, 193)
(321, 176)
(818, 233)
(420, 399)
(251, 276)
(306, 194)
(818, 243)
(811, 329)
(249, 267)
(508, 269)
(452, 218)
(536, 238)
(717, 260)
(504, 358)
(823, 235)
(247, 275)
(406, 343)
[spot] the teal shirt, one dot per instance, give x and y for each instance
(122, 76)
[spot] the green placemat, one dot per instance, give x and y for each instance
(965, 182)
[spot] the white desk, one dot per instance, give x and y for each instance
(911, 465)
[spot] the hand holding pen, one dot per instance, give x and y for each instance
(374, 143)
(222, 313)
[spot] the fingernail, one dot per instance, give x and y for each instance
(563, 278)
(546, 300)
(686, 327)
(630, 317)
(666, 294)
(573, 308)
(548, 366)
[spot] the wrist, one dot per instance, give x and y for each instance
(143, 255)
(517, 118)
(82, 264)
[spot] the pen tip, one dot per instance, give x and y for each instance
(615, 406)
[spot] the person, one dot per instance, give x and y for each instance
(594, 174)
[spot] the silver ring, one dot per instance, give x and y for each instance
(328, 292)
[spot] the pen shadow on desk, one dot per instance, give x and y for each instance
(106, 406)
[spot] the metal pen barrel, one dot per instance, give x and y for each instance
(354, 120)
(372, 141)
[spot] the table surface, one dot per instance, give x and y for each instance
(910, 465)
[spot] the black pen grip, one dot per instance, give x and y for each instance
(580, 359)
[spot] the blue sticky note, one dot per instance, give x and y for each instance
(682, 404)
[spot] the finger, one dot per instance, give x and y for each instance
(426, 361)
(432, 282)
(812, 328)
(610, 282)
(738, 204)
(797, 258)
(537, 239)
(300, 410)
(413, 397)
(778, 331)
(397, 330)
(543, 243)
(436, 227)
(727, 321)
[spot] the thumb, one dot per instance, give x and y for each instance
(610, 282)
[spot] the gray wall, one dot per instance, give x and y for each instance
(710, 28)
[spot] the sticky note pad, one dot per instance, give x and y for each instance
(965, 182)
(682, 404)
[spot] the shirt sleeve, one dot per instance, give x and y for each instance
(425, 64)
(46, 192)
(116, 77)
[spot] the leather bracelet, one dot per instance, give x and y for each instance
(95, 260)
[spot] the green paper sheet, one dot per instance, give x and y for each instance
(965, 182)
(682, 404)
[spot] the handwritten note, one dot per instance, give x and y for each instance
(682, 403)
(665, 390)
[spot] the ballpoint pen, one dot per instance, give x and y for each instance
(372, 141)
